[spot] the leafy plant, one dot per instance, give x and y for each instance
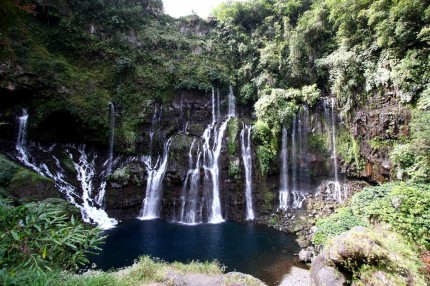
(41, 236)
(334, 225)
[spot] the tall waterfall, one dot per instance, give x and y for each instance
(111, 138)
(231, 103)
(210, 164)
(333, 189)
(295, 194)
(21, 142)
(283, 190)
(214, 113)
(152, 202)
(207, 151)
(247, 162)
(190, 213)
(333, 133)
(156, 119)
(294, 155)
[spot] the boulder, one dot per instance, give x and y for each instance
(323, 274)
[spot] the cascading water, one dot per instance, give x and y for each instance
(109, 162)
(207, 158)
(231, 103)
(295, 195)
(283, 190)
(190, 213)
(156, 172)
(294, 155)
(337, 186)
(86, 176)
(247, 162)
(333, 189)
(21, 142)
(210, 164)
(214, 114)
(218, 109)
(333, 134)
(91, 213)
(156, 119)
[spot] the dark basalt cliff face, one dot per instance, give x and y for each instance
(185, 118)
(377, 122)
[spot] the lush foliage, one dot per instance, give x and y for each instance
(413, 159)
(42, 237)
(406, 207)
(334, 225)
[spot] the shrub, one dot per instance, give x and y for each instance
(335, 224)
(407, 209)
(41, 236)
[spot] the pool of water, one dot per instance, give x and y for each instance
(258, 250)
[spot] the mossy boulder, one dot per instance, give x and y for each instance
(23, 184)
(27, 185)
(365, 256)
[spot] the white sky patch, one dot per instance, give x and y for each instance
(178, 8)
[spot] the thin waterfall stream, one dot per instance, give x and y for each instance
(283, 184)
(245, 139)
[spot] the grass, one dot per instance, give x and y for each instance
(144, 271)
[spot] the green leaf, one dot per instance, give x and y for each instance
(15, 235)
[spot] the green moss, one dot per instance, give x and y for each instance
(8, 170)
(349, 149)
(24, 177)
(67, 162)
(268, 198)
(232, 132)
(319, 143)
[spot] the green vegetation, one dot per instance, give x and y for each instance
(413, 159)
(397, 232)
(234, 170)
(334, 225)
(406, 207)
(146, 270)
(232, 138)
(42, 237)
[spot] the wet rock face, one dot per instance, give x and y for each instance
(381, 118)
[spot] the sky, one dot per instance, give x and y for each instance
(178, 8)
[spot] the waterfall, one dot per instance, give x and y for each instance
(247, 162)
(231, 103)
(152, 201)
(218, 110)
(298, 199)
(189, 207)
(333, 134)
(111, 139)
(303, 139)
(207, 157)
(210, 157)
(155, 118)
(21, 142)
(294, 154)
(214, 115)
(86, 176)
(333, 189)
(283, 190)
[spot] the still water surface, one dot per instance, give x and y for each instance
(254, 249)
